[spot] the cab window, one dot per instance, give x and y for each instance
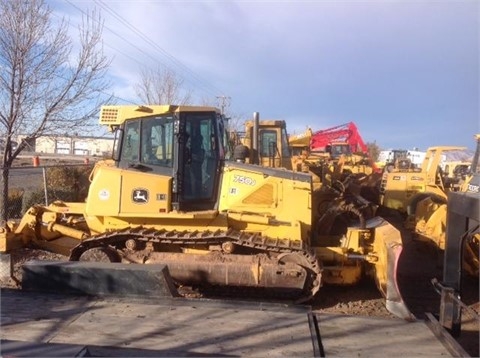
(157, 141)
(268, 143)
(149, 141)
(131, 141)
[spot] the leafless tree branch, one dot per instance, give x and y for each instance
(46, 89)
(162, 86)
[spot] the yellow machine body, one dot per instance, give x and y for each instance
(428, 210)
(430, 221)
(346, 253)
(272, 145)
(399, 187)
(237, 224)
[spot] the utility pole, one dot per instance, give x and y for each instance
(224, 101)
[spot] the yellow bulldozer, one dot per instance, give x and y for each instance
(336, 190)
(169, 196)
(265, 143)
(338, 196)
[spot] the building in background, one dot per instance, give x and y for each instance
(75, 145)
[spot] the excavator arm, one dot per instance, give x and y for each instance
(347, 132)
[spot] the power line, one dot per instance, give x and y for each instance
(224, 101)
(206, 86)
(103, 92)
(163, 52)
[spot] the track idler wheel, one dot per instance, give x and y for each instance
(313, 279)
(100, 254)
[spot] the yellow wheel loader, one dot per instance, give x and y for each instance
(169, 196)
(428, 210)
(402, 188)
(421, 194)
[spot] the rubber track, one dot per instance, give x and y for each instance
(174, 237)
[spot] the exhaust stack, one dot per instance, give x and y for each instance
(256, 124)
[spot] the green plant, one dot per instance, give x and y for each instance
(68, 183)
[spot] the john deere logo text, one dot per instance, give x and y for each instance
(140, 196)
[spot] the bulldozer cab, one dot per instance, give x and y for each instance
(273, 150)
(337, 149)
(182, 146)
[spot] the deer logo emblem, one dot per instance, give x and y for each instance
(140, 196)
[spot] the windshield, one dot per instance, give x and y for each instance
(268, 143)
(154, 146)
(339, 149)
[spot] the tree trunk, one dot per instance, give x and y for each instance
(4, 197)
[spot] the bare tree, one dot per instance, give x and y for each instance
(162, 86)
(236, 122)
(373, 150)
(45, 89)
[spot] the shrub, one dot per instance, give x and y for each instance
(14, 204)
(68, 183)
(65, 183)
(31, 198)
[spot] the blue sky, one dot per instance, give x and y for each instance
(406, 72)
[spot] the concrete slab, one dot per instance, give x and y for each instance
(32, 349)
(358, 336)
(168, 327)
(196, 327)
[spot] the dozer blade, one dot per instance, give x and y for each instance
(388, 246)
(394, 300)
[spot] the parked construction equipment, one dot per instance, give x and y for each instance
(170, 197)
(334, 187)
(342, 148)
(461, 249)
(421, 194)
(346, 134)
(332, 143)
(389, 157)
(402, 187)
(428, 211)
(399, 159)
(337, 204)
(267, 143)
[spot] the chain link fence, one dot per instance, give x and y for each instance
(44, 184)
